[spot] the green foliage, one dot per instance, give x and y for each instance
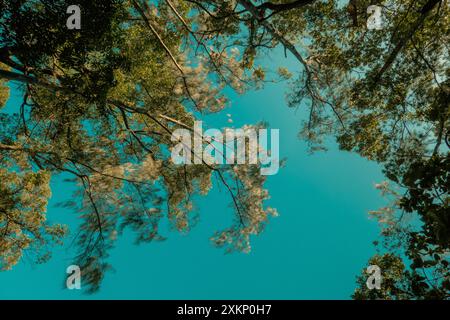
(394, 280)
(23, 223)
(383, 94)
(399, 283)
(4, 89)
(100, 104)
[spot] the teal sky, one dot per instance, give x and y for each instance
(313, 250)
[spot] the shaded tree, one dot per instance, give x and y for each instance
(100, 105)
(382, 94)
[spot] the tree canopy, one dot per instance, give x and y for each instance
(100, 104)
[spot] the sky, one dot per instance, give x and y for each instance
(314, 249)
